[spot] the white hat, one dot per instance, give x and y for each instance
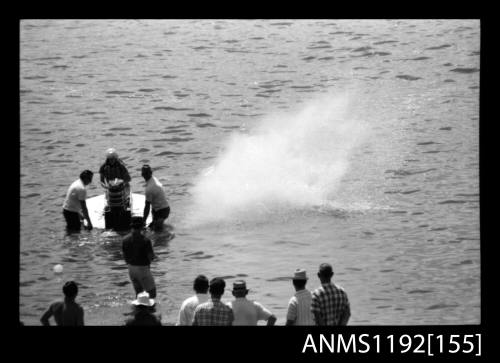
(300, 274)
(143, 299)
(111, 153)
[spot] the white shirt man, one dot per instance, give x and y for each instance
(155, 194)
(248, 312)
(74, 203)
(299, 306)
(186, 313)
(76, 192)
(155, 199)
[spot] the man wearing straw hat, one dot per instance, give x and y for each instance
(299, 306)
(143, 312)
(247, 312)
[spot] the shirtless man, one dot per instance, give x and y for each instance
(67, 312)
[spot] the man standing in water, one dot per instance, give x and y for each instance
(155, 198)
(138, 252)
(74, 204)
(114, 168)
(330, 304)
(67, 312)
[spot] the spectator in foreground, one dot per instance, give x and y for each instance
(299, 306)
(144, 312)
(329, 304)
(186, 313)
(247, 312)
(67, 312)
(214, 312)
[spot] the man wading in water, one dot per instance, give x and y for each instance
(155, 199)
(74, 203)
(138, 252)
(114, 168)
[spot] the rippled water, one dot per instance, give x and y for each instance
(281, 144)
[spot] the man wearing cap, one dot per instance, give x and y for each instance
(247, 312)
(155, 199)
(114, 168)
(138, 253)
(74, 203)
(214, 312)
(143, 312)
(67, 312)
(186, 313)
(329, 304)
(299, 306)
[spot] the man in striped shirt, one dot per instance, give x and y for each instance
(214, 312)
(330, 304)
(299, 306)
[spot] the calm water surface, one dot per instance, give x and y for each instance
(281, 144)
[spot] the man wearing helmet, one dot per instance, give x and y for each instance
(114, 168)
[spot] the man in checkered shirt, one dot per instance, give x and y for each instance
(214, 312)
(330, 304)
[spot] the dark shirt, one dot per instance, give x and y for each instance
(66, 313)
(117, 170)
(143, 317)
(137, 249)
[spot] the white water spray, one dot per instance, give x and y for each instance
(295, 160)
